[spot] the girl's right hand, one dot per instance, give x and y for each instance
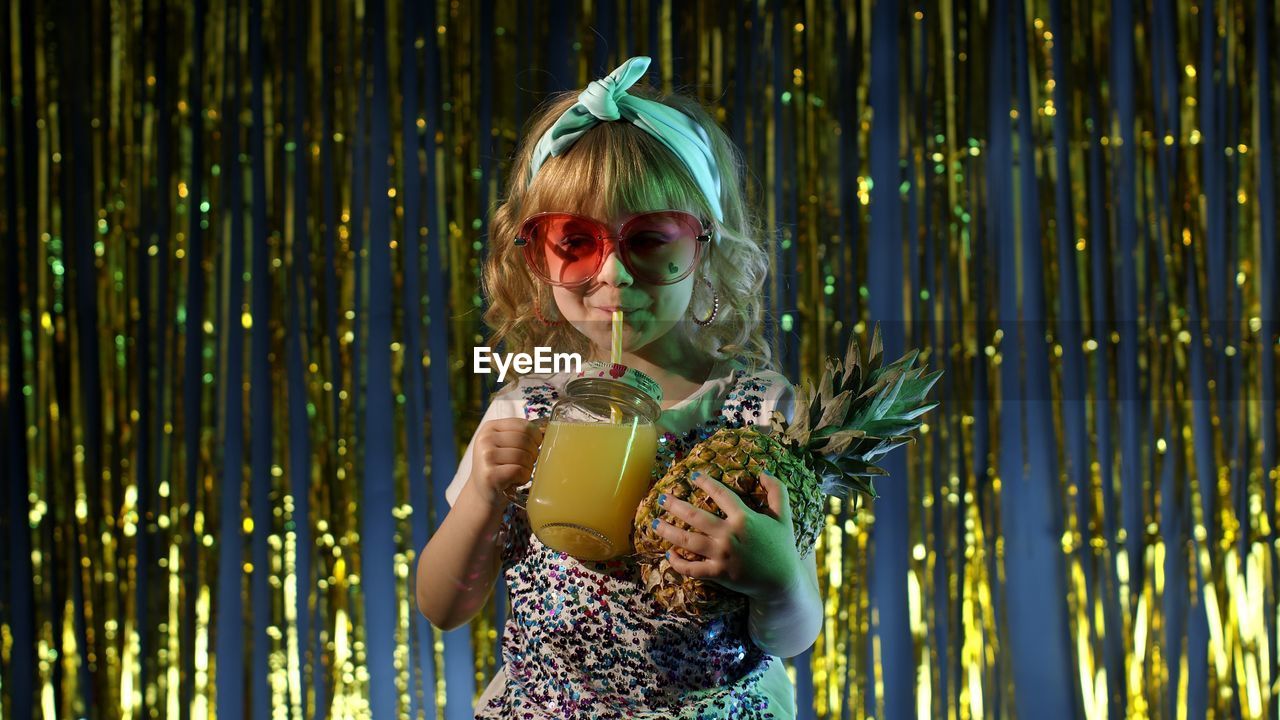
(502, 455)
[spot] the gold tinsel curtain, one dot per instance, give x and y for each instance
(239, 254)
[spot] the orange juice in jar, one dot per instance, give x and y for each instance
(595, 463)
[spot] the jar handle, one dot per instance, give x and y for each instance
(519, 496)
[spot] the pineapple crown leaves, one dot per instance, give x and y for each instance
(851, 476)
(857, 411)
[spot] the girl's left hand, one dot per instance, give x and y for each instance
(750, 552)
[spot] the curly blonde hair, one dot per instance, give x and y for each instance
(617, 167)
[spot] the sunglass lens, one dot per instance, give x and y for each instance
(563, 249)
(662, 247)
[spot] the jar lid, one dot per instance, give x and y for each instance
(623, 374)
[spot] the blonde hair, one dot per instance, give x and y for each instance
(638, 173)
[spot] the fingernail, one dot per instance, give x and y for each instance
(662, 498)
(697, 476)
(668, 554)
(654, 525)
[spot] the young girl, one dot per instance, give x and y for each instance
(620, 199)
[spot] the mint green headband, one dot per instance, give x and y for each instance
(607, 100)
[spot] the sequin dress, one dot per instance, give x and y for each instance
(583, 639)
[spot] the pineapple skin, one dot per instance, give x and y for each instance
(735, 457)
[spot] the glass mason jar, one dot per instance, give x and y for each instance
(594, 466)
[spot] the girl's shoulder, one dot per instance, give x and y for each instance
(767, 376)
(758, 392)
(735, 393)
(763, 379)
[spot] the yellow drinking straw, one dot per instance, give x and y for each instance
(615, 356)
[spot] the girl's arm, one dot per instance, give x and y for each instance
(786, 622)
(458, 567)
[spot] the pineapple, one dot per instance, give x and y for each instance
(858, 412)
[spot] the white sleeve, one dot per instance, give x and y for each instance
(501, 405)
(781, 397)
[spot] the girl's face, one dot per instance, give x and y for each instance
(650, 311)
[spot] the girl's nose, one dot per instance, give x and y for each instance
(613, 271)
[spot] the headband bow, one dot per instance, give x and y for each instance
(606, 100)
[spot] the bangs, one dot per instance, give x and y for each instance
(636, 172)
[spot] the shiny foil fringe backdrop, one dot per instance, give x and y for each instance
(240, 255)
